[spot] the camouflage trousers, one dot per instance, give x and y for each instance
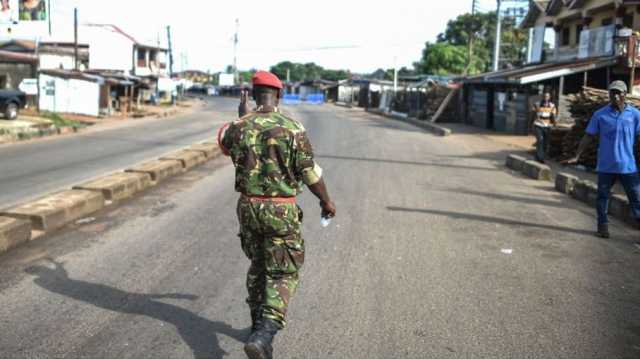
(271, 239)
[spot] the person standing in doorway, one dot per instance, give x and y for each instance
(545, 117)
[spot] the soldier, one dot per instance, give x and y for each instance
(273, 158)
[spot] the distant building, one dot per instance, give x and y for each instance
(574, 43)
(113, 49)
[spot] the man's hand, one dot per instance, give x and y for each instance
(328, 209)
(570, 161)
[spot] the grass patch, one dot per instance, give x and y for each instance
(59, 121)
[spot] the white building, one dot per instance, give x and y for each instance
(70, 92)
(113, 49)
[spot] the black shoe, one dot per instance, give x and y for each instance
(603, 230)
(259, 344)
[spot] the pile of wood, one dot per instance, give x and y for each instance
(440, 104)
(582, 106)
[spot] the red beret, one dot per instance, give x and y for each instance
(264, 78)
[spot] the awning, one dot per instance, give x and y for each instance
(536, 73)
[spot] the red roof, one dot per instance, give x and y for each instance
(10, 56)
(116, 29)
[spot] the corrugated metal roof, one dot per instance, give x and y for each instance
(541, 72)
(71, 74)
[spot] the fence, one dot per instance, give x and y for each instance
(292, 99)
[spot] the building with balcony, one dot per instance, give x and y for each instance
(573, 43)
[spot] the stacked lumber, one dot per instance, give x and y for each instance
(435, 96)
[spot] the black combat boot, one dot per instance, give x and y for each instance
(259, 344)
(256, 316)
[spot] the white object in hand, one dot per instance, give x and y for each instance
(324, 221)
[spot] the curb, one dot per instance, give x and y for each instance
(583, 190)
(31, 220)
(426, 125)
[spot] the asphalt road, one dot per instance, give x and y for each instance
(437, 252)
(30, 170)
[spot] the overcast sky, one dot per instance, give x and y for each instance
(337, 34)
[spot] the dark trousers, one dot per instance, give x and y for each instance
(542, 138)
(630, 183)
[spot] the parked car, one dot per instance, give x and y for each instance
(11, 101)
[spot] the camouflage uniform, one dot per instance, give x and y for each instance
(273, 159)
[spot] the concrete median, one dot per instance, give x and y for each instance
(565, 182)
(13, 232)
(536, 170)
(619, 207)
(515, 162)
(52, 212)
(585, 191)
(188, 159)
(210, 150)
(118, 186)
(157, 169)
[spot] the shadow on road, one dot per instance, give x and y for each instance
(415, 163)
(507, 197)
(199, 333)
(481, 218)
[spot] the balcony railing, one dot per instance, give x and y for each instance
(565, 53)
(625, 47)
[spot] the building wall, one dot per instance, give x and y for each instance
(149, 70)
(51, 61)
(69, 96)
(14, 73)
(108, 50)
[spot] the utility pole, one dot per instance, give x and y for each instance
(470, 39)
(75, 38)
(496, 47)
(395, 74)
(49, 15)
(235, 52)
(170, 51)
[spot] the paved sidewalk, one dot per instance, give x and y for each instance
(32, 125)
(523, 146)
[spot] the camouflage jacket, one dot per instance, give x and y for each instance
(272, 155)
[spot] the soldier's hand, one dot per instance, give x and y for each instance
(328, 209)
(243, 108)
(244, 94)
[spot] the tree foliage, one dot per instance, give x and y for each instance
(308, 71)
(449, 54)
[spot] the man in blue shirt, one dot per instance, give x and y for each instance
(617, 126)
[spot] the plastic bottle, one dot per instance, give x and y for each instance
(324, 221)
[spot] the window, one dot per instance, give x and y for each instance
(142, 58)
(627, 21)
(578, 31)
(3, 82)
(564, 36)
(607, 21)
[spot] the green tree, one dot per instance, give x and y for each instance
(479, 31)
(442, 58)
(335, 75)
(403, 71)
(307, 71)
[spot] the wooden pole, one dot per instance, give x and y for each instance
(632, 76)
(75, 38)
